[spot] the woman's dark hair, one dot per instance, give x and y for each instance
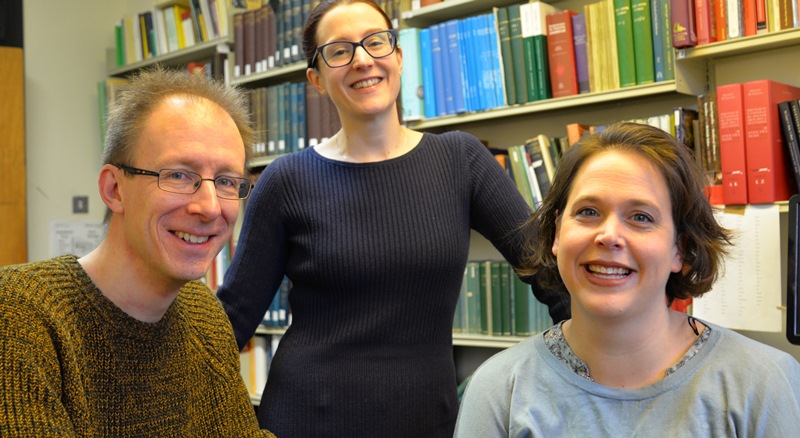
(701, 240)
(310, 30)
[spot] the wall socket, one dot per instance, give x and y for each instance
(80, 204)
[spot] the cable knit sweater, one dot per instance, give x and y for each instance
(72, 364)
(376, 254)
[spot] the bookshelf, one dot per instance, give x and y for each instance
(198, 52)
(697, 70)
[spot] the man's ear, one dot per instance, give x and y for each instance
(313, 77)
(108, 184)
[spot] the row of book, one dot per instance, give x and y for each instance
(533, 51)
(166, 29)
(289, 117)
(699, 22)
(533, 164)
(754, 163)
(495, 302)
(270, 36)
(110, 89)
(789, 113)
(254, 361)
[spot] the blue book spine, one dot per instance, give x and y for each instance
(495, 62)
(463, 57)
(411, 80)
(294, 124)
(484, 63)
(658, 46)
(456, 75)
(301, 116)
(447, 71)
(438, 72)
(428, 82)
(472, 53)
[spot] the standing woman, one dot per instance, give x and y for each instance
(372, 228)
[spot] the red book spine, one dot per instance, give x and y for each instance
(749, 17)
(703, 13)
(561, 54)
(720, 20)
(683, 23)
(768, 176)
(733, 159)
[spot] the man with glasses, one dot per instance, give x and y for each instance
(125, 341)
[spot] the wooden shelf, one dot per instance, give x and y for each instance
(465, 340)
(450, 9)
(580, 100)
(196, 52)
(740, 46)
(263, 330)
(271, 75)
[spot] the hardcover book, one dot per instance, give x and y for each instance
(412, 102)
(643, 42)
(623, 20)
(561, 53)
(683, 24)
(768, 177)
(579, 43)
(790, 142)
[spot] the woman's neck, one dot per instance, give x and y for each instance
(630, 354)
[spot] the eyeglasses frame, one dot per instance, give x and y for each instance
(355, 45)
(136, 171)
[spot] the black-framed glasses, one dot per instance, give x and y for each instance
(186, 182)
(340, 53)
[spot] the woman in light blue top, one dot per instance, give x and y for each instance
(626, 229)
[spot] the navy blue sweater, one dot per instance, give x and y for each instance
(376, 254)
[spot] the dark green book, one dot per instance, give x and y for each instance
(643, 43)
(517, 52)
(504, 44)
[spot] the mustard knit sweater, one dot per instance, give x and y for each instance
(74, 364)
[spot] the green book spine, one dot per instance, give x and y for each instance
(625, 45)
(517, 52)
(119, 35)
(516, 155)
(529, 52)
(543, 88)
(643, 43)
(666, 41)
(458, 317)
(522, 297)
(497, 299)
(506, 272)
(505, 304)
(503, 34)
(486, 291)
(473, 298)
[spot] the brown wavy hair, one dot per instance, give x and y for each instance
(701, 240)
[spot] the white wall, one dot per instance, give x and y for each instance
(65, 46)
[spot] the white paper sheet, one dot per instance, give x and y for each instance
(748, 294)
(74, 237)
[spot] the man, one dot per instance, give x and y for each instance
(124, 341)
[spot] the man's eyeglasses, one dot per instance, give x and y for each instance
(340, 53)
(186, 182)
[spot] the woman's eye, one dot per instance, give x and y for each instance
(587, 212)
(642, 217)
